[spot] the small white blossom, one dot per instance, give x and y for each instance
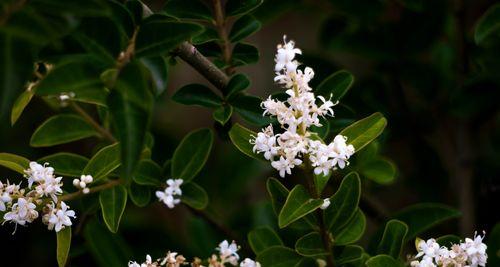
(476, 250)
(22, 212)
(326, 204)
(38, 173)
(249, 263)
(170, 196)
(83, 182)
(228, 252)
(58, 218)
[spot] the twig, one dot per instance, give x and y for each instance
(205, 67)
(75, 195)
(220, 24)
(103, 131)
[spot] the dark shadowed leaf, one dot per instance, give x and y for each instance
(278, 256)
(240, 7)
(488, 25)
(65, 163)
(262, 238)
(352, 231)
(191, 154)
(383, 261)
(244, 27)
(238, 83)
(187, 9)
(148, 173)
(158, 68)
(222, 114)
(335, 85)
(194, 196)
(393, 238)
(61, 129)
(139, 194)
(244, 54)
(248, 107)
(310, 245)
(344, 202)
(197, 94)
(380, 170)
(343, 255)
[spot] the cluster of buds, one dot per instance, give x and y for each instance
(82, 183)
(296, 115)
(21, 204)
(228, 254)
(172, 193)
(471, 253)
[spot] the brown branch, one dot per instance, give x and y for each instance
(75, 195)
(220, 24)
(101, 130)
(205, 67)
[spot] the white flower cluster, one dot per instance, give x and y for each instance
(299, 112)
(471, 253)
(173, 190)
(21, 203)
(228, 254)
(82, 183)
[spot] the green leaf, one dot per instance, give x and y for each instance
(353, 230)
(310, 245)
(423, 216)
(278, 194)
(248, 107)
(139, 194)
(79, 77)
(382, 261)
(343, 203)
(194, 196)
(240, 137)
(362, 132)
(278, 256)
(298, 204)
(113, 202)
(222, 114)
(197, 94)
(103, 162)
(244, 27)
(238, 83)
(67, 164)
(19, 105)
(447, 240)
(187, 9)
(380, 170)
(320, 181)
(61, 129)
(14, 162)
(488, 25)
(347, 254)
(393, 239)
(262, 238)
(130, 105)
(157, 37)
(158, 68)
(244, 54)
(63, 245)
(240, 7)
(106, 248)
(335, 85)
(192, 154)
(208, 35)
(148, 173)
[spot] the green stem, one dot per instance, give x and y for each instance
(101, 130)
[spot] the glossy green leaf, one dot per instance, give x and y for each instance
(278, 256)
(197, 94)
(298, 204)
(78, 77)
(364, 131)
(14, 162)
(240, 7)
(187, 9)
(320, 181)
(352, 231)
(240, 137)
(343, 203)
(423, 216)
(139, 194)
(19, 105)
(238, 83)
(67, 164)
(158, 68)
(488, 25)
(130, 105)
(222, 114)
(310, 245)
(194, 196)
(148, 173)
(393, 238)
(244, 54)
(336, 85)
(113, 202)
(244, 27)
(192, 154)
(103, 162)
(63, 245)
(248, 107)
(157, 37)
(379, 170)
(343, 255)
(382, 261)
(262, 238)
(60, 129)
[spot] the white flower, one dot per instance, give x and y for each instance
(83, 181)
(283, 166)
(228, 252)
(428, 248)
(38, 173)
(167, 199)
(265, 142)
(476, 250)
(249, 263)
(6, 191)
(22, 212)
(51, 186)
(173, 189)
(58, 218)
(174, 186)
(326, 203)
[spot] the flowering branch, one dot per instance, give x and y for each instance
(107, 185)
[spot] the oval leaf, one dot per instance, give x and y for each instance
(139, 194)
(352, 232)
(244, 27)
(113, 202)
(240, 137)
(393, 238)
(278, 256)
(192, 154)
(222, 114)
(148, 173)
(65, 163)
(382, 261)
(61, 129)
(238, 83)
(379, 170)
(362, 132)
(239, 7)
(335, 85)
(103, 162)
(298, 204)
(14, 162)
(344, 203)
(63, 245)
(19, 105)
(310, 245)
(194, 196)
(347, 254)
(262, 238)
(197, 94)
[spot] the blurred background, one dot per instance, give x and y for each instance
(414, 60)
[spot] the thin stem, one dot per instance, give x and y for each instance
(75, 195)
(102, 131)
(220, 24)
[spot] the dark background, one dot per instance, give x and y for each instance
(414, 61)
